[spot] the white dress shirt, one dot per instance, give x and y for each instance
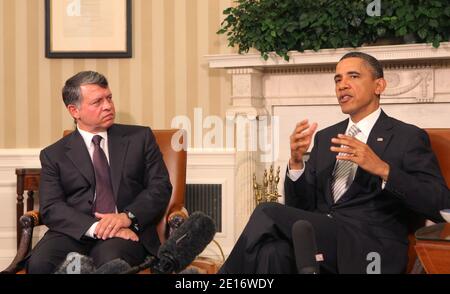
(365, 126)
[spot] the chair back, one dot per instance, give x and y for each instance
(175, 158)
(440, 144)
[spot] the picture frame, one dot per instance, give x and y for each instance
(88, 29)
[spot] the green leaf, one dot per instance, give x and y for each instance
(401, 32)
(422, 33)
(447, 11)
(436, 43)
(437, 40)
(381, 32)
(434, 23)
(401, 11)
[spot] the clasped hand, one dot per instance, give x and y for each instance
(114, 225)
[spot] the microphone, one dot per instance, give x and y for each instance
(305, 248)
(149, 262)
(185, 243)
(76, 263)
(115, 266)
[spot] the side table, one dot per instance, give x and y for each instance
(433, 248)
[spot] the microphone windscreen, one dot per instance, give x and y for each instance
(76, 263)
(115, 266)
(186, 242)
(305, 248)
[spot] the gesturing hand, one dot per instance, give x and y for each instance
(361, 154)
(109, 224)
(300, 141)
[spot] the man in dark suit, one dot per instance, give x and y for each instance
(362, 179)
(103, 188)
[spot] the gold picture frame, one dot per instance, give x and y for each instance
(88, 29)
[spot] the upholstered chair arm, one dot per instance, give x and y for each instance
(27, 223)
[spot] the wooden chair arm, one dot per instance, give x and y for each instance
(176, 218)
(27, 222)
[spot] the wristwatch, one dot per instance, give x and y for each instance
(134, 223)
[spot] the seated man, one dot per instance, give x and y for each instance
(103, 188)
(363, 177)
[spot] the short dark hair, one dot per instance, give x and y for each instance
(71, 91)
(373, 63)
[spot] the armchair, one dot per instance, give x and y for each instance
(440, 143)
(175, 214)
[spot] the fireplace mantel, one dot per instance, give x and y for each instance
(407, 52)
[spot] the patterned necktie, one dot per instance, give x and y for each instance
(343, 170)
(104, 200)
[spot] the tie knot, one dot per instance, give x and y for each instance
(96, 140)
(353, 131)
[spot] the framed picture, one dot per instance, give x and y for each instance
(88, 29)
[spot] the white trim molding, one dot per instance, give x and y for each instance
(331, 56)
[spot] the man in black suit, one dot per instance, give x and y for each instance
(362, 179)
(103, 188)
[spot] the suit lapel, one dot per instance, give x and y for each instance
(117, 145)
(380, 135)
(79, 155)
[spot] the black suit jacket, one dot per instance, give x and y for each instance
(139, 176)
(372, 219)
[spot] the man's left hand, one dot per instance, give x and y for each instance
(361, 154)
(109, 224)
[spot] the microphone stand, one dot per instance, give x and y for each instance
(150, 262)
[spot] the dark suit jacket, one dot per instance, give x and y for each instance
(140, 182)
(371, 219)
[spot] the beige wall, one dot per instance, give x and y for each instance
(167, 76)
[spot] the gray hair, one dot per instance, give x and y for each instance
(71, 91)
(373, 63)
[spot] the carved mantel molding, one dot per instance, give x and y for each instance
(411, 52)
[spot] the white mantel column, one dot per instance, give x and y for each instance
(247, 106)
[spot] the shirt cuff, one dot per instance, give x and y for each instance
(295, 174)
(90, 232)
(383, 184)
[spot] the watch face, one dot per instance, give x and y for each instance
(130, 215)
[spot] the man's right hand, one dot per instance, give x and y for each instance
(126, 234)
(301, 139)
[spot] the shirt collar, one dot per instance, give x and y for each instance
(366, 124)
(87, 136)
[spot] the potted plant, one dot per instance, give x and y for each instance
(284, 25)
